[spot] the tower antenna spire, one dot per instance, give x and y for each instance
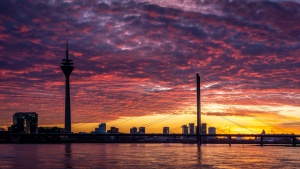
(67, 51)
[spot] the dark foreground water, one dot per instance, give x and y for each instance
(42, 156)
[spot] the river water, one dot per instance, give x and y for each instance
(43, 156)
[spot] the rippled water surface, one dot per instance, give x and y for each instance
(144, 156)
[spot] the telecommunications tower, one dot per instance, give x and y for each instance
(67, 67)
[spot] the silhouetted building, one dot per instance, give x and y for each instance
(212, 130)
(1, 129)
(203, 128)
(101, 129)
(192, 128)
(166, 130)
(185, 129)
(25, 122)
(67, 67)
(133, 130)
(113, 130)
(50, 130)
(142, 130)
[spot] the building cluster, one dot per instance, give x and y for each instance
(191, 129)
(27, 123)
(102, 129)
(24, 123)
(186, 129)
(114, 130)
(134, 130)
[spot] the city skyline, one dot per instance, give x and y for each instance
(136, 63)
(27, 122)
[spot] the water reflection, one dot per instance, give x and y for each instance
(129, 156)
(199, 155)
(68, 155)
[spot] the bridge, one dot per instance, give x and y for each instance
(135, 138)
(124, 137)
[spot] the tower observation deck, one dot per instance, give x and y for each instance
(67, 67)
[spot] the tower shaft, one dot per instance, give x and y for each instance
(198, 111)
(67, 106)
(67, 68)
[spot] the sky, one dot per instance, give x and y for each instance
(136, 63)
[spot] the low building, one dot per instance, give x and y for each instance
(212, 130)
(142, 130)
(113, 130)
(50, 130)
(133, 130)
(166, 130)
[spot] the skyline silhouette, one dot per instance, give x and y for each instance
(136, 62)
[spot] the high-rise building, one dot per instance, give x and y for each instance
(192, 128)
(212, 130)
(25, 122)
(133, 130)
(67, 67)
(203, 128)
(185, 129)
(101, 129)
(142, 130)
(166, 130)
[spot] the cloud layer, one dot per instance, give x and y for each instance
(135, 58)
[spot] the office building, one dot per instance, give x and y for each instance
(133, 130)
(25, 122)
(192, 128)
(212, 130)
(166, 130)
(185, 129)
(203, 128)
(101, 129)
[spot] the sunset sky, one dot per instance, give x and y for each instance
(136, 63)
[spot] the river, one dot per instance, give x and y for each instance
(87, 155)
